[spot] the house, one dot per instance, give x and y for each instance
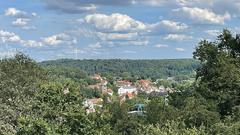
(108, 91)
(97, 77)
(145, 86)
(96, 86)
(127, 89)
(138, 109)
(145, 83)
(123, 83)
(91, 103)
(130, 95)
(104, 82)
(99, 86)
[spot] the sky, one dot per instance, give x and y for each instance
(112, 29)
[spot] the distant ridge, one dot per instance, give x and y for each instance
(143, 68)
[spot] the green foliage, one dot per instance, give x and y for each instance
(159, 112)
(31, 126)
(19, 78)
(219, 74)
(170, 128)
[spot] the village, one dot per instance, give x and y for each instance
(126, 90)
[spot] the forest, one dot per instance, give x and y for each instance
(32, 101)
(153, 69)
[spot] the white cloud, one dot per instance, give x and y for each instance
(34, 14)
(161, 46)
(180, 49)
(95, 46)
(120, 29)
(57, 39)
(22, 18)
(29, 28)
(117, 36)
(32, 43)
(195, 2)
(18, 13)
(156, 2)
(81, 6)
(167, 26)
(9, 37)
(62, 38)
(114, 22)
(20, 22)
(8, 53)
(135, 43)
(203, 15)
(177, 37)
(129, 52)
(213, 33)
(15, 12)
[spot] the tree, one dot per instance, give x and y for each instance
(159, 112)
(19, 77)
(218, 76)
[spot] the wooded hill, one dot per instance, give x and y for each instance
(154, 69)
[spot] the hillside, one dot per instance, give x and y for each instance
(141, 68)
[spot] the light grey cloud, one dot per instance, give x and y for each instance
(213, 32)
(161, 46)
(58, 39)
(166, 26)
(180, 49)
(9, 37)
(115, 22)
(8, 53)
(80, 6)
(13, 12)
(19, 22)
(129, 52)
(120, 29)
(177, 37)
(95, 46)
(54, 40)
(203, 15)
(22, 18)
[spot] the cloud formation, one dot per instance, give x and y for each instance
(180, 49)
(22, 18)
(161, 46)
(120, 29)
(177, 37)
(200, 15)
(114, 22)
(54, 40)
(58, 39)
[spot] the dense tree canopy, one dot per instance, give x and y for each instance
(154, 69)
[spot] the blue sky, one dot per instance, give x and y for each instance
(106, 29)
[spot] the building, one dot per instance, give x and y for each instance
(138, 109)
(127, 89)
(90, 104)
(101, 86)
(97, 77)
(145, 83)
(108, 91)
(123, 83)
